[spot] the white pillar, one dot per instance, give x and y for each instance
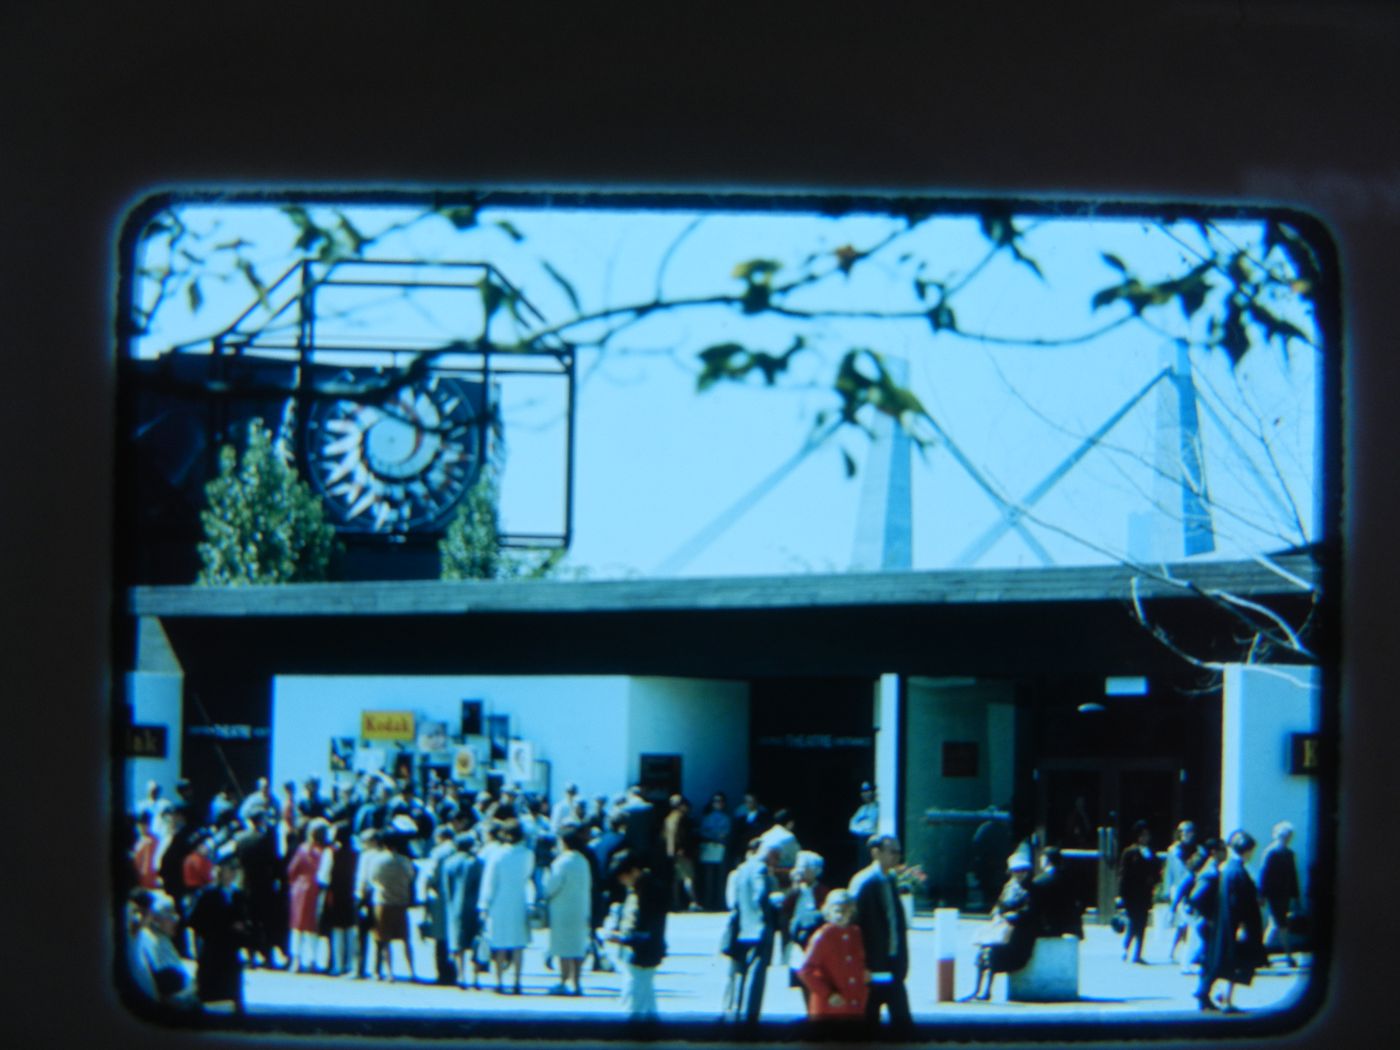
(945, 950)
(1262, 707)
(155, 692)
(887, 752)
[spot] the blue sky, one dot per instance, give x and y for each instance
(658, 461)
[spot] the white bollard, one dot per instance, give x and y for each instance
(945, 950)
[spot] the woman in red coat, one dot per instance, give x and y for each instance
(834, 971)
(306, 893)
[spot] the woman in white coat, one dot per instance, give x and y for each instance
(569, 890)
(504, 904)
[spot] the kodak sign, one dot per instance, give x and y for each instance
(386, 725)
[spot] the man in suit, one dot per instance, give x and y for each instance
(882, 928)
(1054, 898)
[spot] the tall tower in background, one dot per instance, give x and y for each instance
(884, 522)
(1179, 524)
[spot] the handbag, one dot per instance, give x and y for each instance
(998, 931)
(729, 940)
(1119, 922)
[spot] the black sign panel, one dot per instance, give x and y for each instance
(146, 741)
(660, 774)
(1305, 754)
(471, 717)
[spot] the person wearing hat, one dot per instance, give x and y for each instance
(569, 809)
(864, 822)
(1010, 937)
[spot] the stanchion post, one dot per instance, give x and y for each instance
(945, 948)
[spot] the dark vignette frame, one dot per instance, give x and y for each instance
(1329, 628)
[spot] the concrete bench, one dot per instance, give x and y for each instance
(1051, 976)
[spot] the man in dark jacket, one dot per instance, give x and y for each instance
(881, 921)
(1055, 900)
(256, 850)
(1234, 938)
(641, 933)
(1138, 875)
(171, 866)
(1278, 886)
(222, 923)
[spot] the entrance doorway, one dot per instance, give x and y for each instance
(1078, 797)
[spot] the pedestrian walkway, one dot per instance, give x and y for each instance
(690, 985)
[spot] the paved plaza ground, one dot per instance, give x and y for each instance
(690, 986)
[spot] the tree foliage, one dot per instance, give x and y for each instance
(471, 549)
(262, 524)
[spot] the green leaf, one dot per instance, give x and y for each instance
(1300, 255)
(251, 276)
(846, 258)
(492, 296)
(357, 240)
(941, 318)
(719, 363)
(848, 461)
(1234, 335)
(757, 270)
(564, 284)
(1275, 327)
(196, 297)
(772, 365)
(1108, 296)
(996, 224)
(511, 230)
(1115, 262)
(756, 298)
(462, 216)
(1026, 260)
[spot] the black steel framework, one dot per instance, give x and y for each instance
(470, 357)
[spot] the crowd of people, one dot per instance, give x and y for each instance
(325, 883)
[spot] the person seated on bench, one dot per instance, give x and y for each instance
(1011, 935)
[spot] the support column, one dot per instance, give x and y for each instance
(155, 697)
(884, 523)
(887, 779)
(1262, 708)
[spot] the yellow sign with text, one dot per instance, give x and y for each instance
(386, 725)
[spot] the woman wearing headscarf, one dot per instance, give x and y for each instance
(1016, 925)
